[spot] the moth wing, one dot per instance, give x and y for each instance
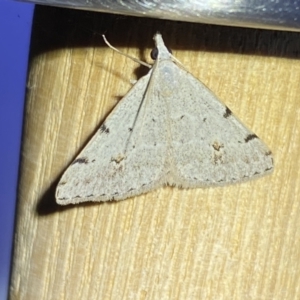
(209, 145)
(126, 156)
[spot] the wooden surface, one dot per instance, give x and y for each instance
(235, 242)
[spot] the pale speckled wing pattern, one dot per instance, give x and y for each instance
(169, 129)
(208, 144)
(125, 157)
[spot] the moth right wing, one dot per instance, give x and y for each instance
(209, 145)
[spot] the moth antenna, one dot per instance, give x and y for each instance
(120, 52)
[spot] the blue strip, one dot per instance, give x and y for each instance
(15, 30)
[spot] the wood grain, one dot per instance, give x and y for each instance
(236, 242)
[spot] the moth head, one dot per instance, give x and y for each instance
(154, 53)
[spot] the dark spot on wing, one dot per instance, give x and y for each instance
(153, 120)
(130, 129)
(251, 137)
(268, 153)
(91, 195)
(80, 160)
(182, 117)
(103, 128)
(204, 120)
(227, 113)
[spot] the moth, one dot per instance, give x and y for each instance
(170, 129)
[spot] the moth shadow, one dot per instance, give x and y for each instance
(81, 29)
(48, 206)
(138, 72)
